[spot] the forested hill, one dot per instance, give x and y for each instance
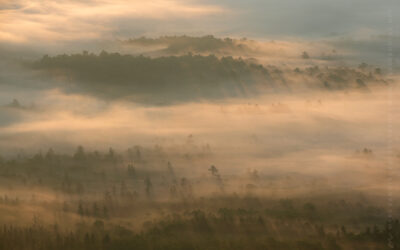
(174, 79)
(184, 44)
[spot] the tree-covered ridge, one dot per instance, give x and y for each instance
(184, 44)
(168, 79)
(171, 79)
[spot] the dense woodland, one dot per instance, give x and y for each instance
(191, 77)
(138, 199)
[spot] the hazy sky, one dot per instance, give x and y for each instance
(68, 26)
(24, 21)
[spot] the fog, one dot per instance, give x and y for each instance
(308, 133)
(289, 113)
(113, 137)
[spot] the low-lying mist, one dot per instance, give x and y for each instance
(318, 134)
(201, 138)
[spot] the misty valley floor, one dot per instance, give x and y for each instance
(198, 143)
(139, 200)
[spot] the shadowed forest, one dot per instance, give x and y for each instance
(146, 79)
